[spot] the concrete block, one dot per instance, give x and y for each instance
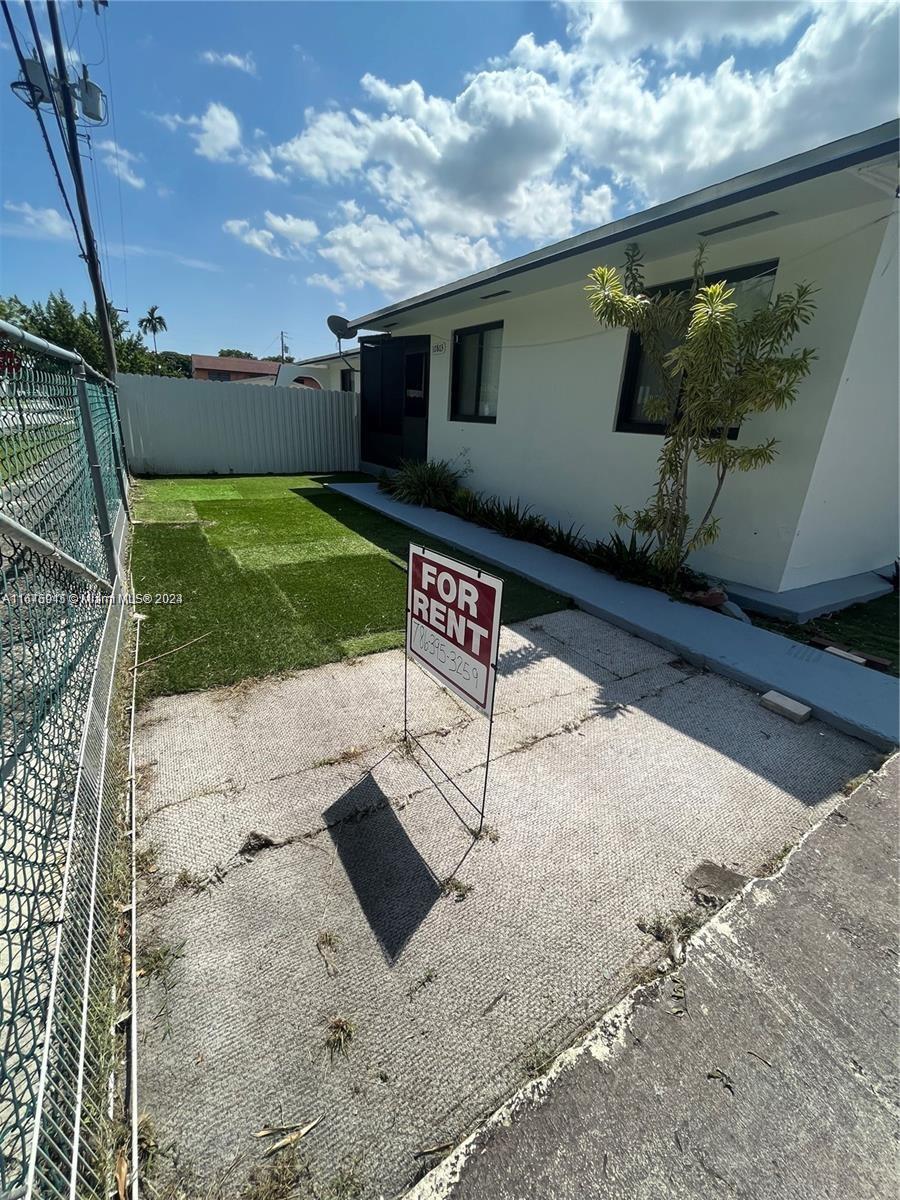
(845, 654)
(786, 707)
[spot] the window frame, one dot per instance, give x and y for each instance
(345, 371)
(625, 422)
(455, 415)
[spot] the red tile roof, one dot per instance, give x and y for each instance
(250, 366)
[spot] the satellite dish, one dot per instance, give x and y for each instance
(341, 328)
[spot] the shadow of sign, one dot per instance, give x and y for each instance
(395, 887)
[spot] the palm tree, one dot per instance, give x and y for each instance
(153, 323)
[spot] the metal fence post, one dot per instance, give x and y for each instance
(90, 444)
(114, 435)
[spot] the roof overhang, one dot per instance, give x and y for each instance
(322, 360)
(859, 164)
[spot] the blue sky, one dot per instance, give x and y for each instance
(270, 163)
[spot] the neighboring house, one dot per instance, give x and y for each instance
(509, 372)
(334, 372)
(231, 370)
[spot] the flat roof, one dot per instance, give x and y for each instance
(850, 151)
(322, 358)
(252, 366)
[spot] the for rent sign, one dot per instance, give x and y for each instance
(453, 624)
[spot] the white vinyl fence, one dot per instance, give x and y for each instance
(196, 427)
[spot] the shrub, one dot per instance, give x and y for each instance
(513, 519)
(566, 541)
(715, 367)
(470, 506)
(429, 484)
(631, 559)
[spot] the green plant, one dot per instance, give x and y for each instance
(632, 560)
(513, 519)
(153, 323)
(429, 484)
(715, 368)
(566, 540)
(457, 889)
(470, 506)
(338, 1036)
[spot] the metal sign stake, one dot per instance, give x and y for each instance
(410, 738)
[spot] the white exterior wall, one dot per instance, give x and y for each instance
(327, 373)
(554, 444)
(849, 521)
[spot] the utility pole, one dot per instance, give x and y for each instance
(90, 246)
(283, 347)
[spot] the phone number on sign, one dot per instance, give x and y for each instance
(430, 645)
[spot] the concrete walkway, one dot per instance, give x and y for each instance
(284, 809)
(855, 699)
(765, 1067)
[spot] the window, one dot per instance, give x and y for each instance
(640, 380)
(346, 379)
(476, 373)
(219, 376)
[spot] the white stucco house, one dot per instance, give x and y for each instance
(333, 372)
(508, 370)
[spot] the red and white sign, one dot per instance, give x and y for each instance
(453, 624)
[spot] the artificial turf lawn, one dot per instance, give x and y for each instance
(871, 628)
(275, 573)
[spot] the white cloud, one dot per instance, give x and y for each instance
(596, 207)
(70, 54)
(631, 104)
(239, 62)
(37, 222)
(285, 236)
(296, 230)
(387, 255)
(121, 162)
(260, 239)
(217, 136)
(607, 29)
(326, 281)
(118, 250)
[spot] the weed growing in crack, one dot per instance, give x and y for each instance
(157, 962)
(456, 888)
(253, 843)
(326, 944)
(773, 864)
(488, 833)
(338, 1036)
(345, 1185)
(422, 982)
(146, 859)
(345, 756)
(190, 881)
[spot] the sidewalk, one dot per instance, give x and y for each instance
(765, 1067)
(852, 698)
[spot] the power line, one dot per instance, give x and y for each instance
(107, 57)
(62, 74)
(93, 264)
(44, 134)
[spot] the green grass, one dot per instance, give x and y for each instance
(870, 628)
(275, 573)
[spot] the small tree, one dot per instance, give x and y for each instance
(153, 323)
(226, 353)
(715, 368)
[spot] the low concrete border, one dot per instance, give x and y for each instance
(852, 698)
(806, 603)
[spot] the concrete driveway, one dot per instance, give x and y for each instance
(461, 964)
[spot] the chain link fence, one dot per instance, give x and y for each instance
(63, 518)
